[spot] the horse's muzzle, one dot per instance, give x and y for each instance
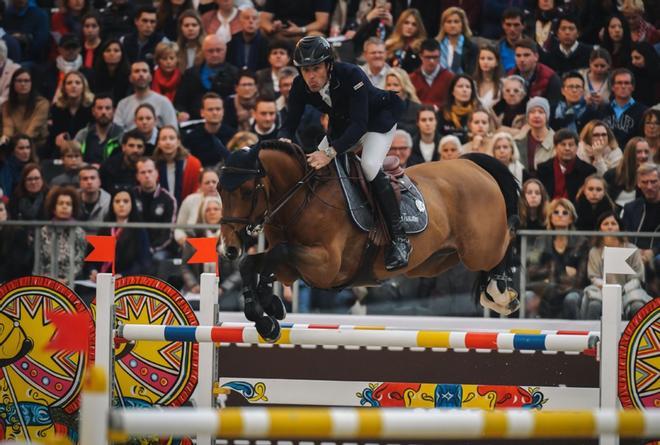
(231, 253)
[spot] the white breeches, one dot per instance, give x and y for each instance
(374, 149)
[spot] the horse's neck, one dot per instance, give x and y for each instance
(283, 172)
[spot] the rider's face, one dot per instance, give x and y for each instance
(315, 76)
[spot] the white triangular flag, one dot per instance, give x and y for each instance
(614, 259)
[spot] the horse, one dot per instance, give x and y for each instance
(471, 203)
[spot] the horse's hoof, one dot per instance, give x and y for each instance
(253, 310)
(501, 295)
(269, 329)
(506, 309)
(276, 308)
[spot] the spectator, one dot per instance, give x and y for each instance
(28, 23)
(511, 110)
(488, 76)
(623, 115)
(378, 24)
(21, 152)
(167, 76)
(651, 119)
(191, 35)
(279, 57)
(431, 80)
(213, 74)
(177, 168)
(63, 248)
(540, 79)
(572, 112)
(376, 68)
(140, 45)
(535, 140)
(592, 201)
(145, 123)
(449, 148)
(239, 106)
(13, 48)
(643, 214)
(598, 147)
(285, 78)
(25, 111)
(532, 205)
(566, 53)
(140, 78)
(617, 40)
(71, 161)
(472, 11)
(493, 14)
(564, 174)
(461, 103)
(458, 53)
(596, 77)
(154, 205)
(68, 59)
(68, 18)
(429, 11)
(28, 199)
(111, 71)
(118, 171)
(426, 137)
(241, 140)
(91, 33)
(645, 66)
(7, 69)
(481, 126)
(248, 48)
(71, 111)
(223, 22)
(622, 179)
(100, 139)
(401, 147)
(593, 16)
(264, 116)
(397, 80)
(190, 207)
(95, 202)
(16, 250)
(505, 150)
(634, 296)
(404, 44)
(513, 26)
(168, 15)
(117, 19)
(542, 21)
(207, 142)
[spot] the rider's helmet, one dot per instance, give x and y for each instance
(312, 50)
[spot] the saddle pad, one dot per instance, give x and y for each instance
(413, 208)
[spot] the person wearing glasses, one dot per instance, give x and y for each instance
(572, 111)
(430, 80)
(511, 111)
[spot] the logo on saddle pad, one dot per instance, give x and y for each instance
(420, 205)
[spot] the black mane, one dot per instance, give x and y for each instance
(293, 150)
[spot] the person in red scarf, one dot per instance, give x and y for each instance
(167, 75)
(564, 174)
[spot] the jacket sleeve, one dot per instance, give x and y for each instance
(39, 119)
(358, 111)
(296, 108)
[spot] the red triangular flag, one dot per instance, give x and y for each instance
(72, 332)
(205, 250)
(104, 248)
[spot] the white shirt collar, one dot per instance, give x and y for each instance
(270, 130)
(571, 50)
(325, 94)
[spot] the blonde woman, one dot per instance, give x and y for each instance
(457, 52)
(598, 146)
(402, 46)
(71, 110)
(397, 80)
(505, 150)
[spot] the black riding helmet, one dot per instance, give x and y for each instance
(312, 50)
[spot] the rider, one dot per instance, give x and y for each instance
(360, 114)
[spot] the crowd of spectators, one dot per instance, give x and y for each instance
(124, 110)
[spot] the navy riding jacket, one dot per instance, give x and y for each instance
(357, 107)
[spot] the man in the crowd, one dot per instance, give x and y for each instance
(29, 24)
(95, 202)
(375, 67)
(566, 53)
(572, 112)
(623, 114)
(279, 57)
(141, 44)
(140, 79)
(541, 80)
(425, 142)
(248, 48)
(401, 147)
(119, 171)
(430, 80)
(213, 74)
(285, 81)
(643, 214)
(207, 141)
(99, 140)
(68, 59)
(513, 26)
(536, 142)
(265, 118)
(71, 161)
(293, 19)
(564, 174)
(154, 205)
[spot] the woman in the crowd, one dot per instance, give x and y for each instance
(189, 209)
(377, 23)
(462, 101)
(111, 71)
(645, 66)
(91, 33)
(397, 80)
(7, 69)
(28, 199)
(481, 126)
(596, 77)
(21, 152)
(599, 147)
(67, 20)
(510, 110)
(616, 40)
(651, 119)
(449, 148)
(62, 248)
(177, 168)
(16, 252)
(505, 150)
(426, 137)
(71, 111)
(167, 75)
(403, 45)
(592, 201)
(532, 205)
(191, 34)
(26, 111)
(488, 75)
(634, 295)
(542, 21)
(145, 123)
(622, 179)
(457, 51)
(168, 14)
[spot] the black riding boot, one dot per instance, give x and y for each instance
(396, 255)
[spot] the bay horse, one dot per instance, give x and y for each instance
(470, 203)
